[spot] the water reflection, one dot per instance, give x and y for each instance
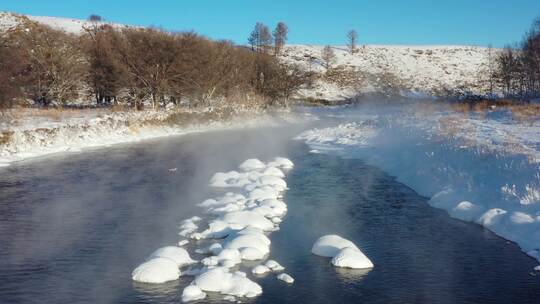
(349, 275)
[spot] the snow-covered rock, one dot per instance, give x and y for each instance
(260, 269)
(192, 293)
(242, 219)
(330, 245)
(220, 279)
(179, 255)
(343, 252)
(156, 270)
(351, 258)
(466, 211)
(285, 278)
(252, 164)
(274, 266)
(281, 162)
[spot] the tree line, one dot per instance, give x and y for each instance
(138, 66)
(517, 68)
(262, 40)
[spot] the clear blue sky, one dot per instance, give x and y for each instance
(474, 22)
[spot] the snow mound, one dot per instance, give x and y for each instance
(285, 278)
(274, 266)
(177, 254)
(260, 269)
(252, 164)
(343, 252)
(219, 279)
(351, 258)
(253, 245)
(330, 245)
(273, 171)
(242, 219)
(156, 270)
(192, 293)
(466, 211)
(281, 162)
(241, 222)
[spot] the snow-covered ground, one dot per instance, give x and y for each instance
(482, 167)
(417, 70)
(28, 133)
(69, 25)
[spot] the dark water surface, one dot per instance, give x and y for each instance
(72, 228)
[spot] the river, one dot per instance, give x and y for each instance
(73, 227)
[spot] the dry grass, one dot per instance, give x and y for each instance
(5, 137)
(521, 111)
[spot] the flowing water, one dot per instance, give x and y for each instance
(72, 228)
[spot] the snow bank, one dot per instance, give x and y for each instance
(479, 167)
(343, 252)
(38, 134)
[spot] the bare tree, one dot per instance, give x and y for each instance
(266, 39)
(280, 36)
(260, 38)
(328, 56)
(106, 75)
(95, 18)
(491, 70)
(12, 66)
(253, 38)
(352, 37)
(55, 62)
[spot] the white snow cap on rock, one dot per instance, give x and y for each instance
(156, 270)
(192, 293)
(285, 278)
(351, 258)
(281, 162)
(274, 266)
(343, 252)
(241, 222)
(260, 269)
(252, 164)
(330, 245)
(179, 255)
(219, 279)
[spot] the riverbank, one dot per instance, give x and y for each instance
(29, 133)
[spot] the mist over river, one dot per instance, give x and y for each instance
(74, 226)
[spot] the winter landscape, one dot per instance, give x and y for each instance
(158, 160)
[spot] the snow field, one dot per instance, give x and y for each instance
(237, 223)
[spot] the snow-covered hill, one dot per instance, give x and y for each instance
(426, 70)
(69, 25)
(413, 70)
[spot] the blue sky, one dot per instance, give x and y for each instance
(473, 22)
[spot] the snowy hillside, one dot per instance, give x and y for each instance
(73, 26)
(426, 70)
(430, 70)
